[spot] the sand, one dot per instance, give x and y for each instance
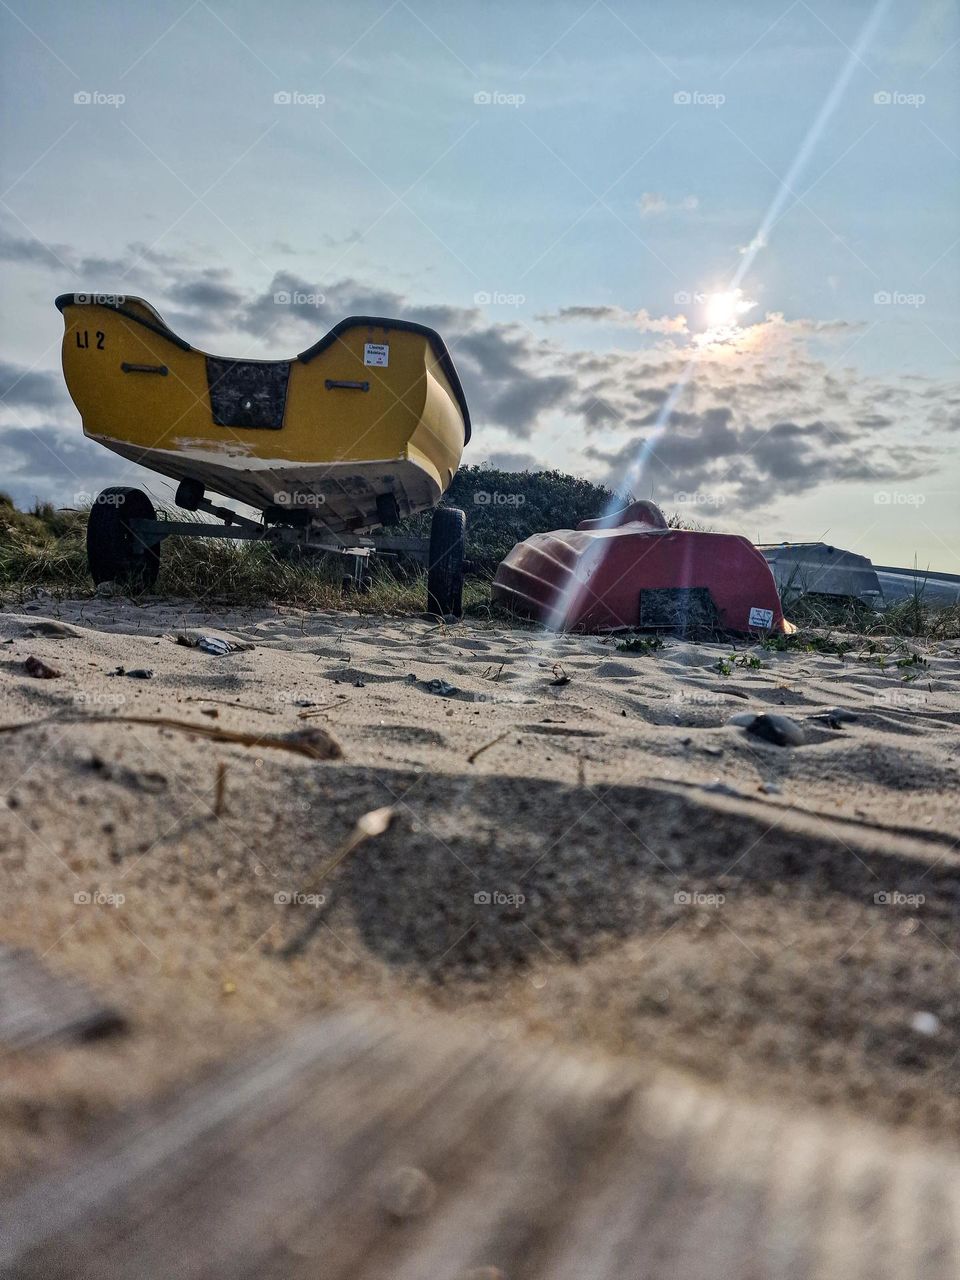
(602, 862)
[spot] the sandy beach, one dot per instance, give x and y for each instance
(580, 849)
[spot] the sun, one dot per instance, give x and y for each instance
(722, 312)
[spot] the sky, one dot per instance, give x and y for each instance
(707, 254)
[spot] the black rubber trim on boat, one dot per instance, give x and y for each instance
(379, 322)
(372, 322)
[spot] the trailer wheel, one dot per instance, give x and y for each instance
(445, 568)
(114, 552)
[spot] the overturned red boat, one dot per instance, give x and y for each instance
(630, 570)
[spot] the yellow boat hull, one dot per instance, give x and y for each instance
(374, 409)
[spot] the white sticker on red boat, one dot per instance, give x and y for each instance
(376, 353)
(761, 617)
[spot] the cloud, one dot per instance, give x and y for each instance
(31, 252)
(619, 316)
(774, 412)
(506, 460)
(501, 377)
(30, 388)
(748, 466)
(208, 293)
(59, 465)
(652, 203)
(139, 263)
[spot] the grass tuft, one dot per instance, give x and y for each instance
(44, 549)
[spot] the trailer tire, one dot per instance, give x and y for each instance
(445, 566)
(114, 552)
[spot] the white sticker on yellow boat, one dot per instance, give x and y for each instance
(761, 617)
(376, 353)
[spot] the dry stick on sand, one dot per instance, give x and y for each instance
(219, 800)
(492, 743)
(225, 702)
(321, 707)
(313, 742)
(374, 823)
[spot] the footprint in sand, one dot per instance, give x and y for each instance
(560, 731)
(617, 671)
(350, 675)
(409, 735)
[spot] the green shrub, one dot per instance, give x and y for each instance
(504, 507)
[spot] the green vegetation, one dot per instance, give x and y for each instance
(641, 644)
(44, 548)
(504, 507)
(746, 661)
(911, 617)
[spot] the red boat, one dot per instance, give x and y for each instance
(630, 570)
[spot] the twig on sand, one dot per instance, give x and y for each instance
(219, 801)
(225, 702)
(492, 743)
(313, 742)
(321, 707)
(371, 824)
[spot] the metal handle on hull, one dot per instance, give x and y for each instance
(332, 383)
(145, 368)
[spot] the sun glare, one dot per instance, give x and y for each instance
(722, 312)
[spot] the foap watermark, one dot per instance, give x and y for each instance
(898, 498)
(900, 699)
(497, 98)
(689, 297)
(699, 698)
(495, 498)
(894, 898)
(94, 98)
(496, 298)
(693, 898)
(897, 298)
(500, 697)
(695, 98)
(97, 898)
(105, 499)
(99, 299)
(297, 298)
(293, 898)
(288, 498)
(290, 698)
(82, 698)
(699, 499)
(896, 98)
(496, 898)
(296, 98)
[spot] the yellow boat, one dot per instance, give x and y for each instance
(362, 429)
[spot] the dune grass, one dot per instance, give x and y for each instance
(44, 550)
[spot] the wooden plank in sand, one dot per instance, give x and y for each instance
(359, 1150)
